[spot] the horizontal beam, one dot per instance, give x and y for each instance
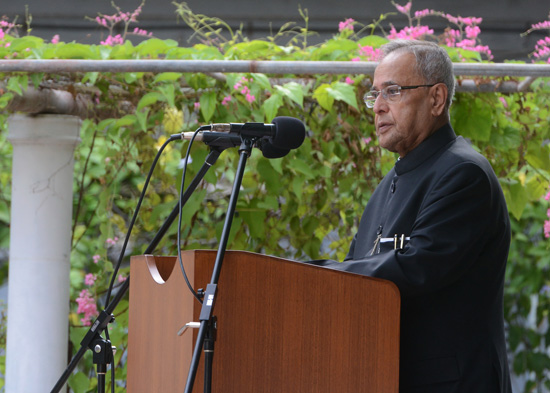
(254, 66)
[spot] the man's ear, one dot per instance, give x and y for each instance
(438, 96)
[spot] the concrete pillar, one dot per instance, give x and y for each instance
(39, 265)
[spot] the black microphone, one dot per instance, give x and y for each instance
(270, 151)
(274, 140)
(284, 133)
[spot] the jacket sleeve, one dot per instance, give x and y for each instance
(450, 232)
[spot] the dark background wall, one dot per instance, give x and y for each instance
(503, 20)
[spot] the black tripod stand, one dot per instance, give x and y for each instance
(207, 325)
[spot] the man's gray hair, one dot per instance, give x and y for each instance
(432, 62)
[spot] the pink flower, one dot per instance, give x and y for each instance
(225, 101)
(547, 197)
(111, 242)
(111, 41)
(96, 258)
(541, 25)
(367, 140)
(237, 86)
(404, 9)
(101, 21)
(356, 59)
(55, 39)
(346, 25)
(250, 98)
(547, 229)
(245, 90)
(2, 34)
(451, 36)
(197, 105)
(423, 13)
(349, 81)
(470, 20)
(89, 279)
(472, 31)
(503, 101)
(87, 306)
(369, 52)
(451, 18)
(121, 278)
(410, 32)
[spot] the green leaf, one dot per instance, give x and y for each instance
(167, 76)
(142, 119)
(169, 93)
(91, 77)
(262, 81)
(506, 138)
(5, 99)
(323, 97)
(473, 119)
(373, 40)
(293, 91)
(516, 198)
(149, 99)
(36, 79)
(271, 106)
(269, 175)
(26, 42)
(76, 51)
(301, 166)
(254, 218)
(154, 46)
(538, 156)
(18, 84)
(343, 92)
(208, 105)
(79, 382)
(536, 187)
(126, 121)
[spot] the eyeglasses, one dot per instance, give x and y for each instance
(390, 93)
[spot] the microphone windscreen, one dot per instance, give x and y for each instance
(270, 151)
(289, 132)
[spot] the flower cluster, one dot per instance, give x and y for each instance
(89, 279)
(346, 26)
(5, 28)
(111, 242)
(542, 47)
(113, 40)
(110, 21)
(410, 33)
(226, 100)
(244, 89)
(87, 306)
(404, 9)
(465, 36)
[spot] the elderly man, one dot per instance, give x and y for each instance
(438, 227)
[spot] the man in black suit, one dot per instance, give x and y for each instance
(438, 227)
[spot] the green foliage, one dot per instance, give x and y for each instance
(303, 206)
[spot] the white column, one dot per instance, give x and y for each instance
(39, 264)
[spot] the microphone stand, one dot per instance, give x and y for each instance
(207, 322)
(92, 340)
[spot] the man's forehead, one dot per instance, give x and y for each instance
(394, 68)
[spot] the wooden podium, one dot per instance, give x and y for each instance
(283, 327)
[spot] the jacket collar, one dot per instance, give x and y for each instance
(425, 150)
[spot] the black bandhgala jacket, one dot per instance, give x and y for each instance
(438, 227)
